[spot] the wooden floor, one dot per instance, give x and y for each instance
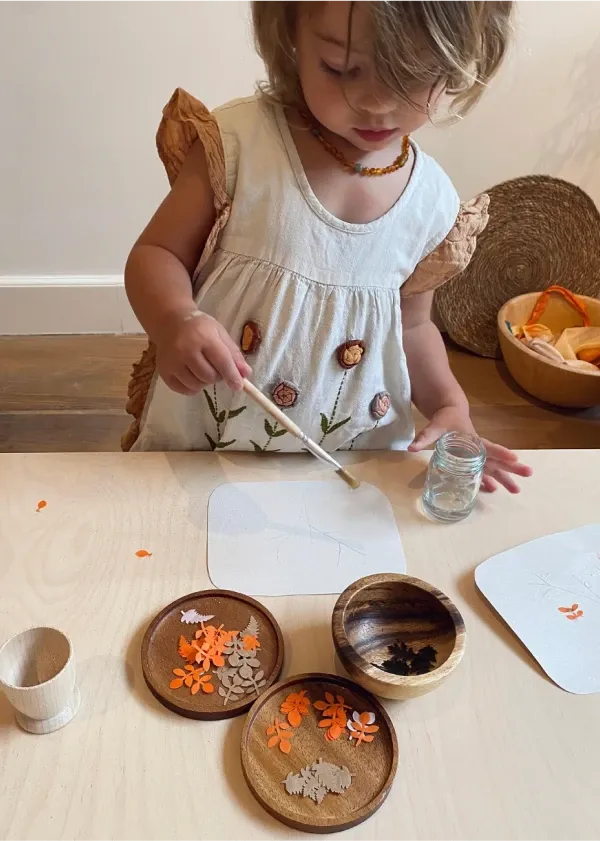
(67, 393)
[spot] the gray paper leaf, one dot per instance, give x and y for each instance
(245, 671)
(236, 680)
(258, 675)
(293, 783)
(251, 629)
(235, 660)
(238, 690)
(222, 692)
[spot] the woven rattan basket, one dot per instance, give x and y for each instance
(542, 231)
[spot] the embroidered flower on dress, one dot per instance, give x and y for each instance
(285, 395)
(350, 353)
(380, 405)
(251, 337)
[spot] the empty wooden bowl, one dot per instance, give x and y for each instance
(549, 381)
(395, 617)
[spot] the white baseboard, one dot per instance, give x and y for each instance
(33, 306)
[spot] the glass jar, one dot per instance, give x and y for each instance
(454, 477)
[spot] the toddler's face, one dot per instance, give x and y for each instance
(359, 107)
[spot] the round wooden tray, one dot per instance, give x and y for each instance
(373, 765)
(234, 612)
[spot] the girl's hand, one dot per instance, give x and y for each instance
(501, 465)
(197, 351)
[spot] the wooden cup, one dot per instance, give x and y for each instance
(37, 675)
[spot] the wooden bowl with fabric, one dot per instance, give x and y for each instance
(382, 616)
(544, 379)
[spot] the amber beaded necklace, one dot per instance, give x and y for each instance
(354, 166)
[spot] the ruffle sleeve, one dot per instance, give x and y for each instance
(185, 120)
(453, 254)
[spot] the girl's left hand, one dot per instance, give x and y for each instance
(501, 465)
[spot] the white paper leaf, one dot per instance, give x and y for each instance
(222, 692)
(192, 617)
(238, 690)
(259, 675)
(251, 629)
(253, 662)
(234, 660)
(245, 671)
(236, 680)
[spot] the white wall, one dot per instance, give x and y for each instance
(82, 86)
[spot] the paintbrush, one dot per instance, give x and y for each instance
(276, 413)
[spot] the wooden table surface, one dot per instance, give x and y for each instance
(497, 752)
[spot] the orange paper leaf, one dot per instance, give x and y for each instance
(186, 650)
(41, 504)
(142, 553)
(176, 684)
(280, 738)
(294, 718)
(250, 643)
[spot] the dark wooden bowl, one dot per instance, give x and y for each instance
(380, 611)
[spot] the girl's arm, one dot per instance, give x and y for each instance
(438, 396)
(191, 350)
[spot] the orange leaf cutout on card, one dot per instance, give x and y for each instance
(361, 726)
(295, 706)
(41, 504)
(280, 734)
(142, 553)
(572, 612)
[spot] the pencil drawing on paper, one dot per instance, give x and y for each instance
(583, 585)
(312, 533)
(277, 538)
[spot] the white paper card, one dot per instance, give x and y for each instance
(292, 538)
(549, 593)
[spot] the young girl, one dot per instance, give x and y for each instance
(304, 234)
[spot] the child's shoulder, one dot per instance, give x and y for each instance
(436, 196)
(243, 104)
(433, 173)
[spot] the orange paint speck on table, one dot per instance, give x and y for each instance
(41, 504)
(142, 553)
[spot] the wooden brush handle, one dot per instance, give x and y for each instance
(271, 409)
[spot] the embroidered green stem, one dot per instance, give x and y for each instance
(272, 431)
(220, 417)
(356, 437)
(327, 423)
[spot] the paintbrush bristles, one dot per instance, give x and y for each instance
(348, 478)
(317, 451)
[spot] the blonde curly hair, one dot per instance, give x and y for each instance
(465, 41)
